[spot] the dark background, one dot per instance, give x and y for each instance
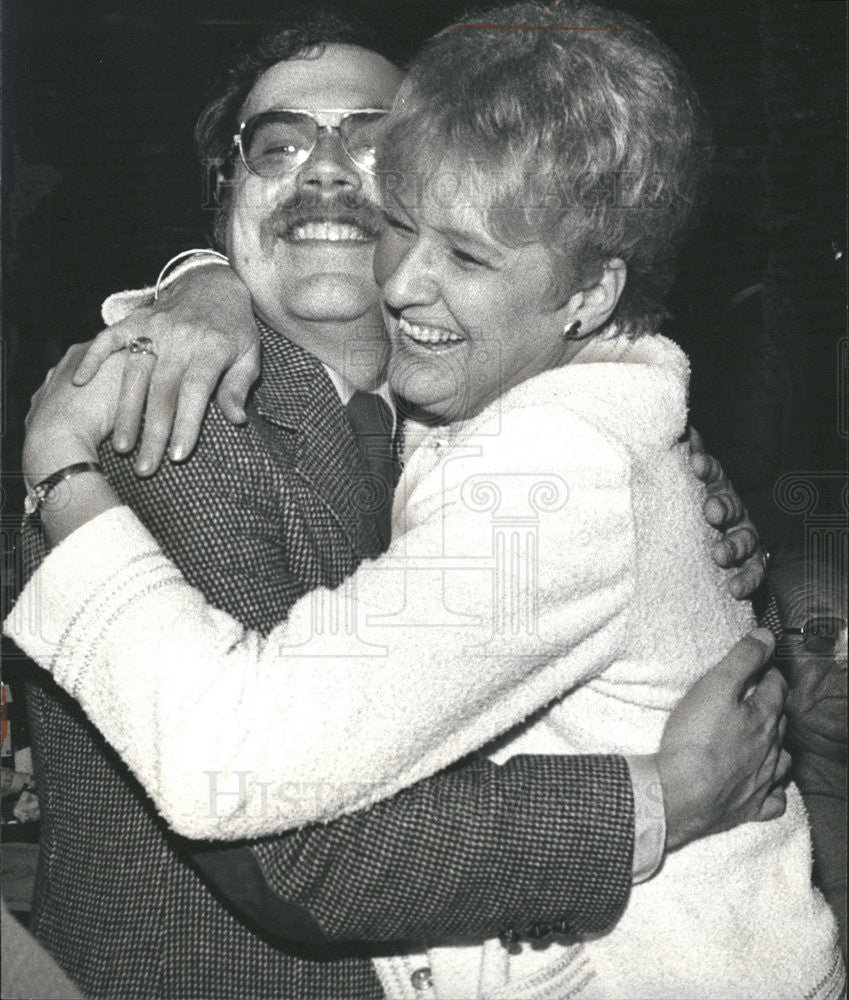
(101, 187)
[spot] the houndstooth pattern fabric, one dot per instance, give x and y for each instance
(476, 851)
(258, 516)
(770, 617)
(117, 901)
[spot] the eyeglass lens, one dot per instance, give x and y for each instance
(283, 140)
(821, 632)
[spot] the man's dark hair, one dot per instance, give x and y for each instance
(279, 42)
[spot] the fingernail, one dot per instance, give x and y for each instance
(121, 443)
(178, 452)
(241, 416)
(143, 468)
(721, 554)
(764, 637)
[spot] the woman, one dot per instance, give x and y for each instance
(546, 524)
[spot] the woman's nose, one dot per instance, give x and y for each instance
(411, 278)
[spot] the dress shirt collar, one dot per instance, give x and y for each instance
(270, 339)
(346, 390)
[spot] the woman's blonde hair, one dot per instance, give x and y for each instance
(570, 124)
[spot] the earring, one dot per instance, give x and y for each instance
(571, 332)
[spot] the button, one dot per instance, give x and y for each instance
(510, 941)
(422, 979)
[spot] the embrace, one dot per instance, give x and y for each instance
(443, 629)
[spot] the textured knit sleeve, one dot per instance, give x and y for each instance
(470, 623)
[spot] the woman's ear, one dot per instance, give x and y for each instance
(594, 305)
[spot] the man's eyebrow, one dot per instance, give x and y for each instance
(364, 106)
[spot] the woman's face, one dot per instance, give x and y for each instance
(468, 317)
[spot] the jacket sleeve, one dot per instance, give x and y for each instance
(477, 850)
(424, 655)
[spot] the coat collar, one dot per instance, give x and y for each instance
(296, 393)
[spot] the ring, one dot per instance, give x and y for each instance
(141, 345)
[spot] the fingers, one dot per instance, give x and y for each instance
(105, 343)
(775, 800)
(741, 548)
(158, 420)
(705, 467)
(782, 771)
(131, 400)
(63, 370)
(736, 546)
(750, 577)
(697, 446)
(192, 402)
(769, 696)
(723, 508)
(236, 384)
(745, 660)
(773, 805)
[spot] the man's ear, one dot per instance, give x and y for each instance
(594, 305)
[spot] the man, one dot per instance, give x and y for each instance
(259, 515)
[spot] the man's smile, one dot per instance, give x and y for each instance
(334, 232)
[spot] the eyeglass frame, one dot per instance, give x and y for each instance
(814, 631)
(340, 113)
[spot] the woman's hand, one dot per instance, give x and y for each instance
(740, 547)
(66, 424)
(201, 327)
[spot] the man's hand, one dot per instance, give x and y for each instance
(202, 326)
(739, 548)
(720, 759)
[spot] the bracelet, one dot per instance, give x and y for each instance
(37, 495)
(214, 254)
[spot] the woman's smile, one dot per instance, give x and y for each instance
(428, 337)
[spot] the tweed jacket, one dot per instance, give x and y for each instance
(258, 516)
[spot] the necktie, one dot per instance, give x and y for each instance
(371, 420)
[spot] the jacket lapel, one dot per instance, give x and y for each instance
(296, 393)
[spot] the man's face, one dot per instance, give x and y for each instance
(284, 235)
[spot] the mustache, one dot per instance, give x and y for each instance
(350, 210)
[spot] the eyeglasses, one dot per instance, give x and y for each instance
(820, 633)
(275, 142)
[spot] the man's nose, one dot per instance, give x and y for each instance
(329, 169)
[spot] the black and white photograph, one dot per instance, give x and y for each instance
(425, 500)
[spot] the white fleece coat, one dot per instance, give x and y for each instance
(553, 544)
